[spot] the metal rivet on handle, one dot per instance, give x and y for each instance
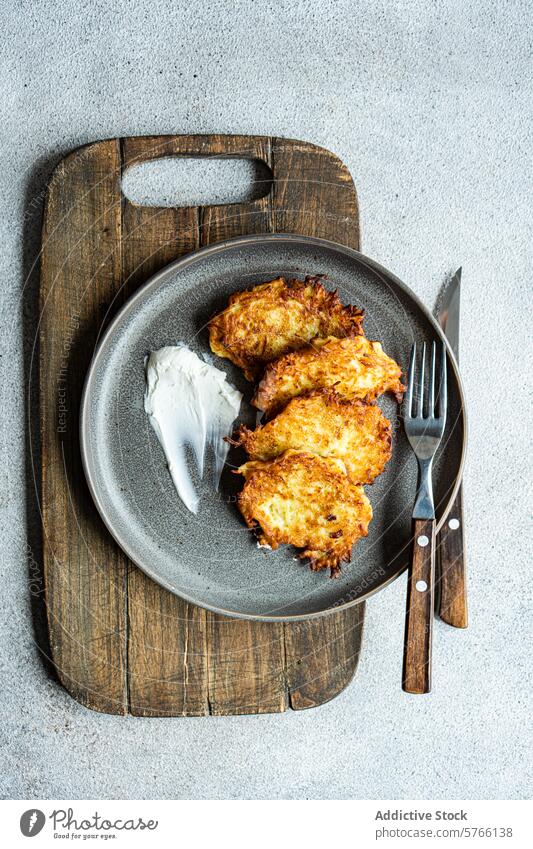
(421, 586)
(454, 524)
(423, 540)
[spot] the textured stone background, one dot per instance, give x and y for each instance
(428, 104)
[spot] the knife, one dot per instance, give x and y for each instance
(452, 605)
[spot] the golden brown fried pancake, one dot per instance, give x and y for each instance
(306, 501)
(325, 423)
(354, 367)
(265, 322)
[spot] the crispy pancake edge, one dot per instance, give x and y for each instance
(379, 454)
(323, 302)
(341, 547)
(266, 397)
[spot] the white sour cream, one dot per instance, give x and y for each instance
(190, 403)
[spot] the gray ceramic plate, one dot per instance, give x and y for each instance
(212, 559)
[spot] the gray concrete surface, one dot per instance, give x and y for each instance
(428, 103)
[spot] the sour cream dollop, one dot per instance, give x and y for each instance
(190, 403)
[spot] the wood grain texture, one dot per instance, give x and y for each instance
(85, 573)
(120, 642)
(419, 614)
(451, 571)
(246, 663)
(313, 193)
(320, 659)
(167, 664)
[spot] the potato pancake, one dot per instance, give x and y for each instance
(265, 322)
(306, 501)
(325, 423)
(355, 367)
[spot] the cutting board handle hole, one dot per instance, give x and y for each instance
(184, 181)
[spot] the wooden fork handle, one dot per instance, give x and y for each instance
(451, 591)
(419, 614)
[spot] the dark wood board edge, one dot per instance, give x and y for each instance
(90, 646)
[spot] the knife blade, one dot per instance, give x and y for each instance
(449, 312)
(451, 562)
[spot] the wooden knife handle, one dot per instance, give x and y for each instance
(452, 605)
(419, 614)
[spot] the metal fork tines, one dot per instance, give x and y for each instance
(424, 413)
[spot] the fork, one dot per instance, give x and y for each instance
(424, 416)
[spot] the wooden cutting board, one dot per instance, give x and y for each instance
(120, 643)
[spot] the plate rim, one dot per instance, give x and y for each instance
(154, 282)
